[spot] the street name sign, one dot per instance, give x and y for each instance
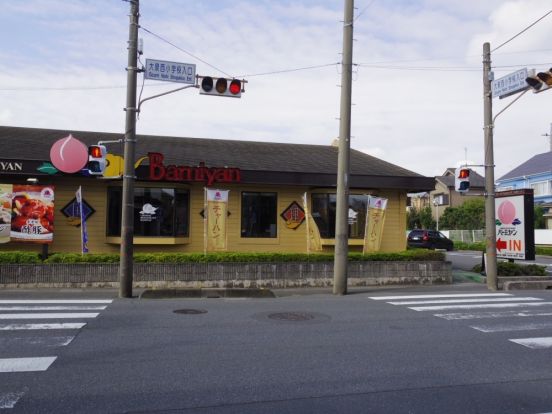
(515, 234)
(510, 84)
(162, 70)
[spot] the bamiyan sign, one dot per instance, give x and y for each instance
(514, 225)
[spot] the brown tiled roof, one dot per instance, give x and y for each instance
(268, 157)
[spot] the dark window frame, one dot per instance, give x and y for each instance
(255, 221)
(170, 225)
(326, 226)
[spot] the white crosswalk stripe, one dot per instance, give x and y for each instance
(13, 337)
(47, 315)
(534, 343)
(484, 306)
(9, 399)
(38, 326)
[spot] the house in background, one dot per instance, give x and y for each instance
(444, 195)
(535, 173)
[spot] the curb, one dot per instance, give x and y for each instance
(206, 293)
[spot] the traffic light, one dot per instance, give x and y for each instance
(96, 159)
(541, 81)
(462, 179)
(220, 87)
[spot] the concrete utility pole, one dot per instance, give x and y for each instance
(342, 197)
(127, 222)
(490, 225)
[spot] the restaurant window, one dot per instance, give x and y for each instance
(258, 214)
(158, 212)
(323, 212)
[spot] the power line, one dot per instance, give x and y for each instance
(185, 51)
(289, 70)
(523, 31)
(363, 10)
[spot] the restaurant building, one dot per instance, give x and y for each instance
(273, 189)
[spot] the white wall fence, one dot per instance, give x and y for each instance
(542, 237)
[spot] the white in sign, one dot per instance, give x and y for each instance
(170, 71)
(510, 227)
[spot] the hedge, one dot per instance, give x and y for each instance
(19, 257)
(514, 269)
(409, 255)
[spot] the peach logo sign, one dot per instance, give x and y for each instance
(69, 154)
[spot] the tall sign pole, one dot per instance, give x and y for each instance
(342, 198)
(127, 222)
(490, 222)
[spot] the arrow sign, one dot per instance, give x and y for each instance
(501, 244)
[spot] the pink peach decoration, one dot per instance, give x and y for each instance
(69, 154)
(506, 212)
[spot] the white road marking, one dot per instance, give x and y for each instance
(512, 327)
(49, 341)
(534, 343)
(29, 301)
(47, 315)
(9, 399)
(26, 364)
(484, 306)
(483, 315)
(33, 326)
(421, 302)
(51, 308)
(455, 295)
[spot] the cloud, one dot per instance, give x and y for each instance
(417, 91)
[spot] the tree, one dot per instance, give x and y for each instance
(420, 219)
(540, 222)
(468, 216)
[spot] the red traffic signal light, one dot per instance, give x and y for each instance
(464, 173)
(95, 151)
(96, 159)
(462, 180)
(221, 87)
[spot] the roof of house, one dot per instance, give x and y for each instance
(476, 180)
(35, 144)
(540, 163)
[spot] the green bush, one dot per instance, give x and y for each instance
(514, 269)
(19, 257)
(80, 258)
(409, 255)
(479, 246)
(543, 250)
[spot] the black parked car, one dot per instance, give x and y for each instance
(429, 239)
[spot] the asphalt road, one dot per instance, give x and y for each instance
(304, 352)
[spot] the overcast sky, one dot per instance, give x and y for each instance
(417, 86)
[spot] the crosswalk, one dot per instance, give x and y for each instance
(524, 313)
(38, 327)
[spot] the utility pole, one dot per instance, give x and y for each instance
(342, 196)
(127, 222)
(490, 225)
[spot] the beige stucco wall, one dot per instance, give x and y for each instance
(67, 237)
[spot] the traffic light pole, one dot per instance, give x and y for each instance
(342, 196)
(490, 225)
(127, 222)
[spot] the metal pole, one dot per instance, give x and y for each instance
(127, 222)
(342, 197)
(490, 226)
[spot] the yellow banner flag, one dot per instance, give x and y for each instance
(375, 219)
(217, 208)
(314, 241)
